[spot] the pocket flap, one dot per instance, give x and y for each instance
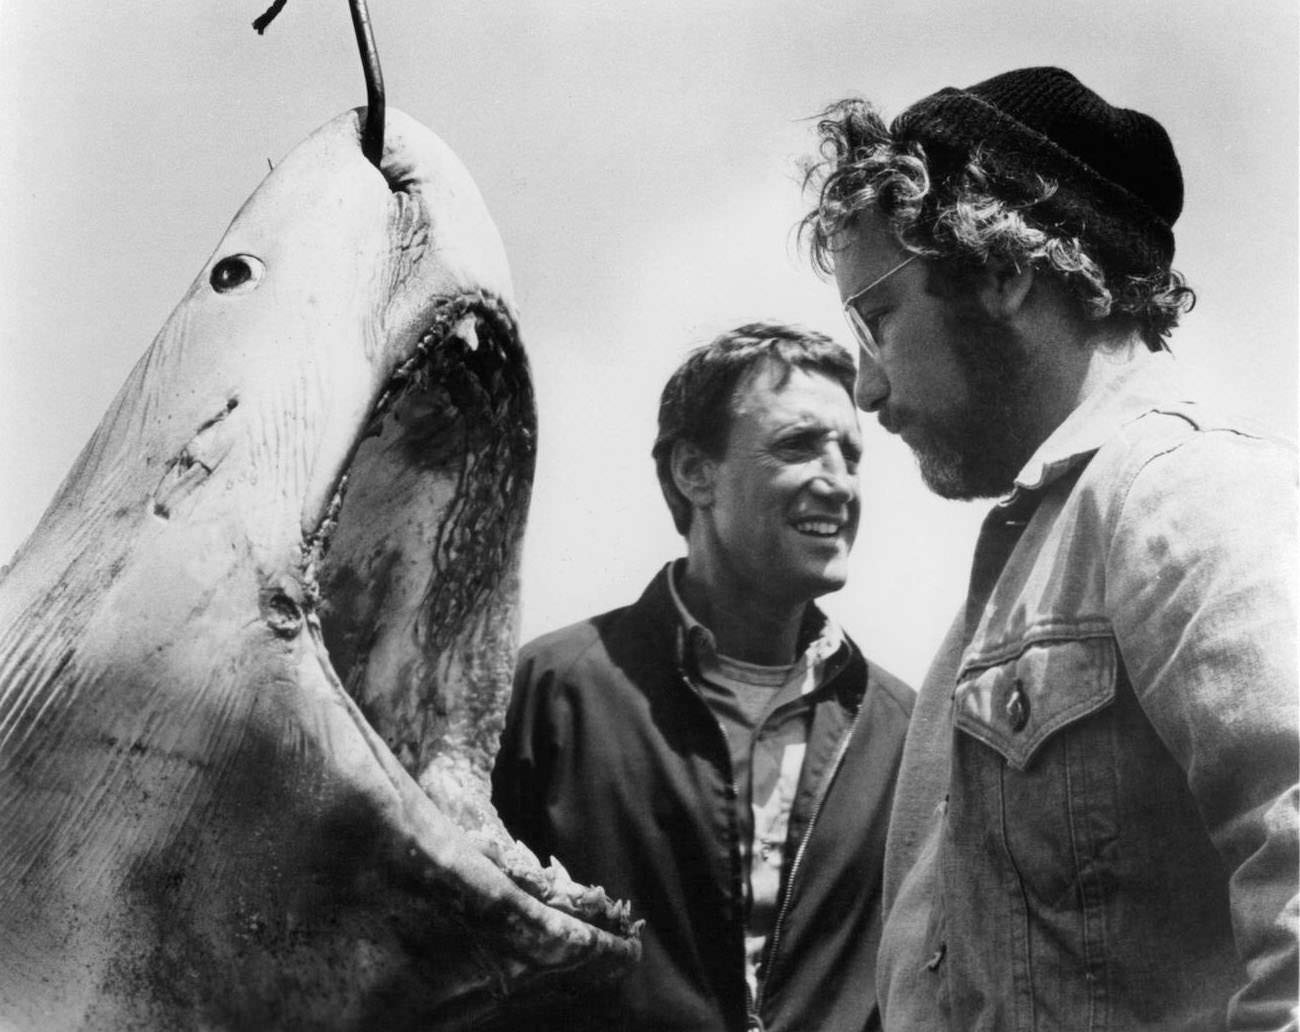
(1016, 705)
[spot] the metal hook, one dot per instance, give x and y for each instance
(372, 134)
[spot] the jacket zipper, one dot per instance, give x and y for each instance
(753, 1023)
(799, 855)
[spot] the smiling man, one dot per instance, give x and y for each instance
(1096, 818)
(719, 752)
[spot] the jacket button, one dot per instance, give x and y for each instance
(1018, 707)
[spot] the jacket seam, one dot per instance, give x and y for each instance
(1117, 510)
(1043, 633)
(562, 672)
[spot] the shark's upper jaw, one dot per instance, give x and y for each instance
(416, 406)
(416, 565)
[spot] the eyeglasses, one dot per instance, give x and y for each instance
(857, 323)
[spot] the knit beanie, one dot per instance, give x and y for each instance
(1119, 186)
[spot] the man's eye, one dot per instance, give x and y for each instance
(797, 447)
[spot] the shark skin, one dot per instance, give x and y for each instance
(255, 656)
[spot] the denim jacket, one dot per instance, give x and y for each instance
(1096, 819)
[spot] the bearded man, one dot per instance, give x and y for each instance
(1096, 819)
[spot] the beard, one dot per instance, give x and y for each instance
(977, 450)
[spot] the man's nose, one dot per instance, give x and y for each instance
(837, 478)
(872, 387)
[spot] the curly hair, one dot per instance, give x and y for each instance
(698, 401)
(948, 205)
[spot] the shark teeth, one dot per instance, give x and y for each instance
(410, 370)
(313, 548)
(553, 886)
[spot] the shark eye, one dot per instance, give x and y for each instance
(236, 273)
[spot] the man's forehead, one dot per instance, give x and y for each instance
(864, 251)
(773, 390)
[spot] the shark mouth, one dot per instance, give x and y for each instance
(416, 574)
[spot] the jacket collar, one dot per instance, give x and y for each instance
(1125, 388)
(822, 643)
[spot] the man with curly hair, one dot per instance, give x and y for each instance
(720, 753)
(1096, 818)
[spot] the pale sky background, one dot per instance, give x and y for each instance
(639, 159)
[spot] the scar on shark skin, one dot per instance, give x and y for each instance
(192, 466)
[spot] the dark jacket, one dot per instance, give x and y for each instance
(612, 761)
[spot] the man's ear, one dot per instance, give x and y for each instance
(693, 473)
(1003, 287)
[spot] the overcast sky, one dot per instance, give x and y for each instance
(639, 159)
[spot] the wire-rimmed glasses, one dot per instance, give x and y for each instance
(867, 339)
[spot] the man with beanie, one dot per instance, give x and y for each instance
(1096, 818)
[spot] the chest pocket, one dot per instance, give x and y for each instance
(1037, 770)
(1015, 707)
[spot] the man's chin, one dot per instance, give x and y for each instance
(827, 580)
(957, 477)
(947, 483)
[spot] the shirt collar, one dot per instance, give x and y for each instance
(1126, 388)
(822, 637)
(699, 645)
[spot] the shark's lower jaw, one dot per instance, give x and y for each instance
(417, 567)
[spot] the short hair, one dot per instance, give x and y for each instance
(698, 402)
(956, 206)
